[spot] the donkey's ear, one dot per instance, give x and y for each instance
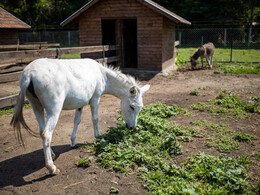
(132, 91)
(145, 88)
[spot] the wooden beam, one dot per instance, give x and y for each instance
(15, 76)
(12, 57)
(8, 101)
(108, 60)
(31, 45)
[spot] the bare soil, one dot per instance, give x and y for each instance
(22, 170)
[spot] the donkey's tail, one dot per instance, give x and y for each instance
(17, 119)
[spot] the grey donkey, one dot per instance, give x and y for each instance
(205, 51)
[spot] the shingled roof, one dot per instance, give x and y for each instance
(149, 3)
(8, 20)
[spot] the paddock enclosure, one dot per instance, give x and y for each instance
(144, 30)
(23, 170)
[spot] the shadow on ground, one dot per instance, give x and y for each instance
(12, 171)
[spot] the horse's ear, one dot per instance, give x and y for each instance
(145, 88)
(132, 91)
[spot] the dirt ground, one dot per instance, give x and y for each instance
(22, 170)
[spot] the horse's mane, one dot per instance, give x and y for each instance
(125, 78)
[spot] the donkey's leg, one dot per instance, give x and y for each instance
(94, 110)
(77, 120)
(202, 62)
(52, 119)
(211, 61)
(207, 58)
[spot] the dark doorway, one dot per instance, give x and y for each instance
(109, 35)
(129, 43)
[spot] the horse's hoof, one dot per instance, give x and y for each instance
(56, 172)
(74, 146)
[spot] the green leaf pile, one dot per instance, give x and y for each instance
(150, 148)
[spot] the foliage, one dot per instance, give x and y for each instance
(255, 98)
(181, 60)
(11, 110)
(227, 103)
(37, 13)
(195, 93)
(6, 111)
(239, 68)
(114, 190)
(84, 162)
(244, 137)
(199, 12)
(150, 147)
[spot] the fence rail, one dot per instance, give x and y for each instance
(43, 45)
(13, 57)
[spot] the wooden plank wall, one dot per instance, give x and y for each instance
(149, 28)
(8, 36)
(168, 42)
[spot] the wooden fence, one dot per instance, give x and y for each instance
(14, 57)
(29, 45)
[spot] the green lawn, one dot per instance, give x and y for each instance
(246, 55)
(71, 56)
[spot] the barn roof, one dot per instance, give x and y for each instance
(8, 20)
(149, 3)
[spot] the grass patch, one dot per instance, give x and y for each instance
(150, 148)
(227, 103)
(84, 162)
(195, 93)
(221, 137)
(245, 68)
(11, 110)
(6, 111)
(244, 137)
(221, 54)
(71, 56)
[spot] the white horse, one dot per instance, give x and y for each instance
(54, 85)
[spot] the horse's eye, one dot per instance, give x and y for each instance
(132, 107)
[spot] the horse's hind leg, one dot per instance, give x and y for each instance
(52, 119)
(77, 120)
(39, 114)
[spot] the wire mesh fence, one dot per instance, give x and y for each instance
(66, 38)
(232, 44)
(235, 44)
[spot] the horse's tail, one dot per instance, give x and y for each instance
(18, 119)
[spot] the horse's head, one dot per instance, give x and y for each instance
(132, 104)
(193, 63)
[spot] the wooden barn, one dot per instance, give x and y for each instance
(9, 27)
(144, 30)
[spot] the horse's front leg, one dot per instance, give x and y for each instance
(94, 110)
(202, 62)
(77, 120)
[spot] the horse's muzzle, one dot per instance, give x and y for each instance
(129, 126)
